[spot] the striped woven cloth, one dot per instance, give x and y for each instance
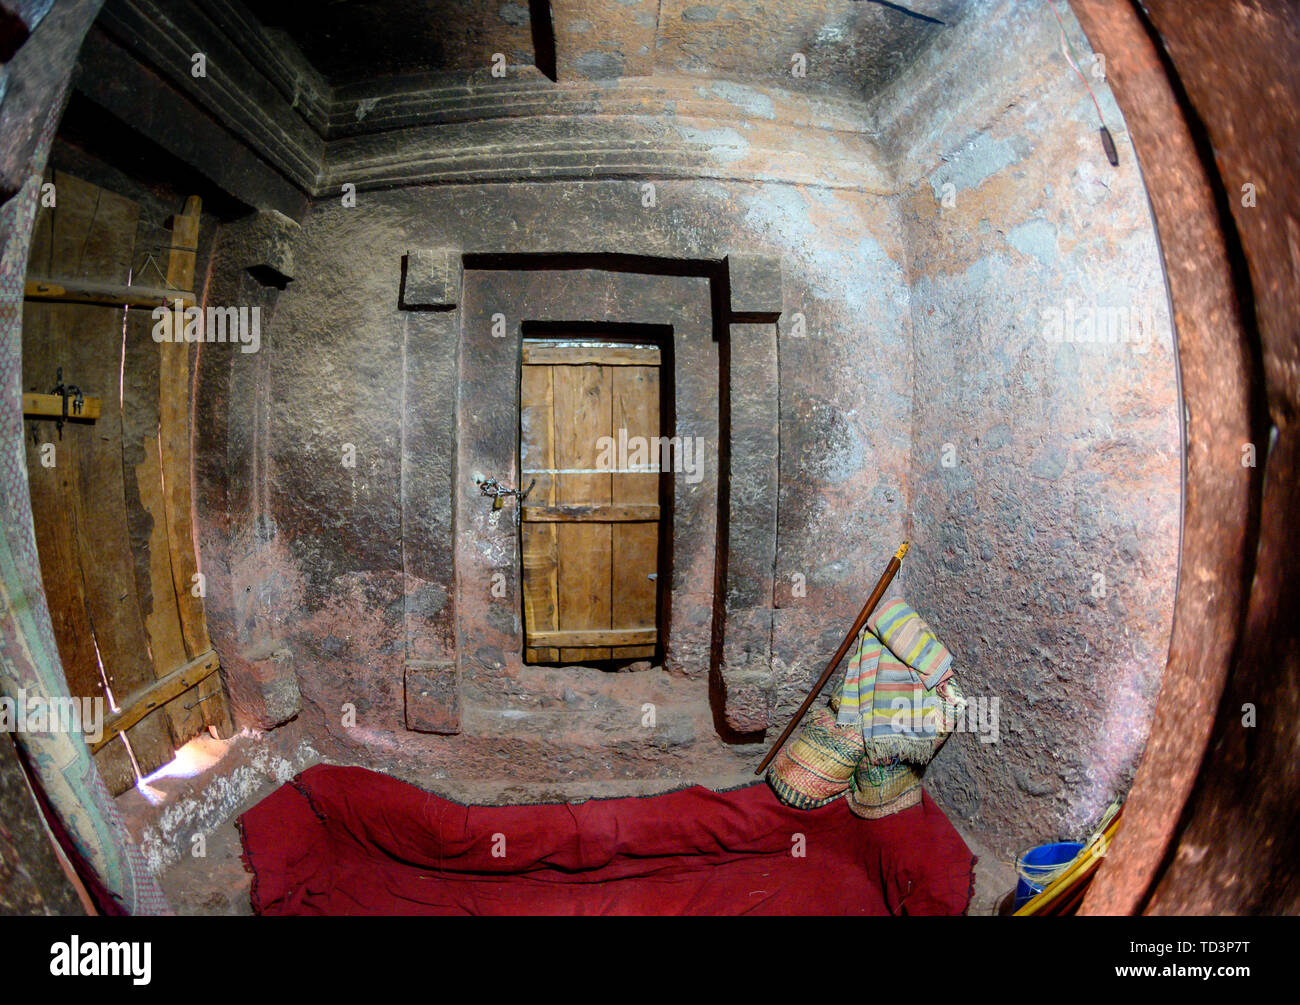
(910, 639)
(891, 686)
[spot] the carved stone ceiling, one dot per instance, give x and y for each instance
(850, 47)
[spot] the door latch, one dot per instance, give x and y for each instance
(498, 493)
(66, 391)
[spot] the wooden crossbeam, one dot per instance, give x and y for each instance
(158, 694)
(107, 294)
(50, 406)
(594, 637)
(634, 513)
(582, 354)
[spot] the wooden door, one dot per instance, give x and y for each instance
(590, 525)
(111, 495)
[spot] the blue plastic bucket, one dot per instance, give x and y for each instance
(1038, 866)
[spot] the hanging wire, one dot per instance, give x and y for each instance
(1067, 50)
(1107, 141)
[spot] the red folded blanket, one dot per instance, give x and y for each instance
(351, 841)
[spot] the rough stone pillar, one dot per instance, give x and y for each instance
(752, 460)
(252, 262)
(431, 294)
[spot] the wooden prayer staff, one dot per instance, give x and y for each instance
(867, 609)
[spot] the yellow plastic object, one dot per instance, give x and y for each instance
(1084, 863)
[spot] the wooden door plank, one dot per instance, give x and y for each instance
(154, 696)
(540, 554)
(93, 232)
(44, 348)
(174, 441)
(211, 701)
(174, 418)
(175, 404)
(600, 354)
(183, 253)
(100, 518)
(582, 415)
(51, 489)
(78, 291)
(634, 586)
(147, 515)
(644, 652)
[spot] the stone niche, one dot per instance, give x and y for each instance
(715, 323)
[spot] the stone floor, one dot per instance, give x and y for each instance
(995, 879)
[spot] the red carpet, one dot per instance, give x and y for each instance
(351, 841)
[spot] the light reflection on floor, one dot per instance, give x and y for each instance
(194, 758)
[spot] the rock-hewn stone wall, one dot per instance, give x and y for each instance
(323, 569)
(1045, 449)
(926, 388)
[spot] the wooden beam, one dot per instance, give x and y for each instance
(635, 513)
(50, 406)
(147, 515)
(581, 354)
(158, 694)
(634, 579)
(106, 294)
(595, 637)
(539, 555)
(174, 407)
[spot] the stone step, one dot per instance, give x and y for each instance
(602, 724)
(512, 792)
(606, 743)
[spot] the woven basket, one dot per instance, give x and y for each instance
(816, 766)
(881, 789)
(882, 786)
